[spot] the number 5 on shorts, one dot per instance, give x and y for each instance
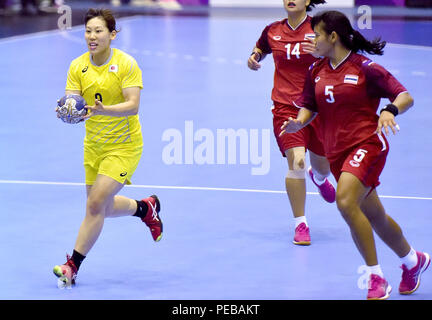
(358, 157)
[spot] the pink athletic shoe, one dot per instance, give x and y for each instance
(379, 288)
(411, 278)
(326, 190)
(302, 236)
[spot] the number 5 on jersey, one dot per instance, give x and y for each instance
(329, 93)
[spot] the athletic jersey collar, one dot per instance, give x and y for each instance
(294, 29)
(341, 62)
(106, 62)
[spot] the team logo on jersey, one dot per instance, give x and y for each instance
(113, 68)
(350, 78)
(85, 69)
(354, 164)
(277, 37)
(368, 62)
(317, 79)
(309, 36)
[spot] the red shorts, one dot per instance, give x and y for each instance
(307, 137)
(365, 161)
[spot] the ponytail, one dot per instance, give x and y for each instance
(313, 3)
(350, 38)
(360, 43)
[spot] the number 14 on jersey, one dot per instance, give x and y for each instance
(295, 50)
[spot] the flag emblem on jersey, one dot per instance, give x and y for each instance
(309, 36)
(113, 68)
(350, 78)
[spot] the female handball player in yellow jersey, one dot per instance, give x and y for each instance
(113, 141)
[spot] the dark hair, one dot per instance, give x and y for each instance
(350, 38)
(105, 14)
(313, 3)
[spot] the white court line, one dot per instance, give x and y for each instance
(408, 46)
(47, 33)
(81, 184)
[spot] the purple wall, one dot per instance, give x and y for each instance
(194, 2)
(397, 3)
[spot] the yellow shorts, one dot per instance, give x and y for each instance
(118, 161)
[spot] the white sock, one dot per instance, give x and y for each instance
(299, 220)
(319, 179)
(376, 270)
(410, 260)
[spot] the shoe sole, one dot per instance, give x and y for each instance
(158, 208)
(387, 295)
(421, 271)
(302, 243)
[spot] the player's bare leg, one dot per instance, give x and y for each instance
(147, 209)
(349, 197)
(320, 164)
(295, 185)
(99, 196)
(120, 206)
(102, 202)
(385, 227)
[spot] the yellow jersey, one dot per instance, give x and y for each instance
(105, 83)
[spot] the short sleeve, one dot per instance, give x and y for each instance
(307, 99)
(381, 83)
(263, 43)
(132, 76)
(73, 81)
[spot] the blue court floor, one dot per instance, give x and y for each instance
(228, 227)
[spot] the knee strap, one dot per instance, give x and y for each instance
(296, 174)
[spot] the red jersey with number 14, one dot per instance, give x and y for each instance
(291, 62)
(347, 98)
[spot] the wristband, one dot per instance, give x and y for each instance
(391, 108)
(259, 54)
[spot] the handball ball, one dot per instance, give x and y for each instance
(71, 108)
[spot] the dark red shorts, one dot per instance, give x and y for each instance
(307, 137)
(365, 161)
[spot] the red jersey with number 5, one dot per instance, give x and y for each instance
(291, 62)
(347, 98)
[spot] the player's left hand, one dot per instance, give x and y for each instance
(385, 121)
(309, 47)
(290, 126)
(98, 108)
(66, 119)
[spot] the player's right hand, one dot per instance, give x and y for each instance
(253, 63)
(57, 110)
